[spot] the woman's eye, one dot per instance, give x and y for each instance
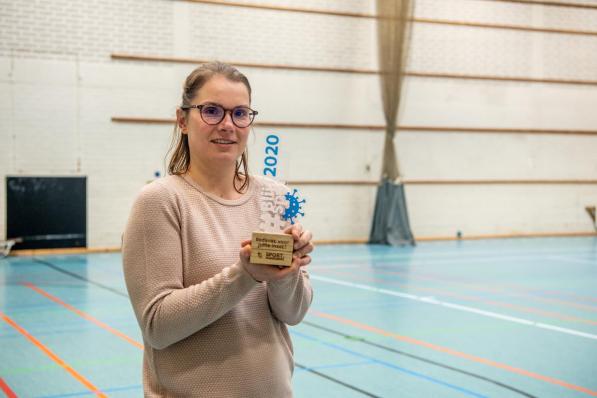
(211, 110)
(241, 112)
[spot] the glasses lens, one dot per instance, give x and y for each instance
(212, 114)
(242, 116)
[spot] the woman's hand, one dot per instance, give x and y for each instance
(302, 243)
(300, 256)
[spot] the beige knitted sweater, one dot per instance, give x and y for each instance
(210, 330)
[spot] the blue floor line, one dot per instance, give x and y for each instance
(333, 366)
(390, 365)
(554, 268)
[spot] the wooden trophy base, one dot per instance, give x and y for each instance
(271, 249)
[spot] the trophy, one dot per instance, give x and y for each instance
(279, 208)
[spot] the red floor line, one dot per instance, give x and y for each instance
(363, 327)
(455, 353)
(6, 389)
(583, 307)
(555, 293)
(84, 315)
(80, 378)
(549, 314)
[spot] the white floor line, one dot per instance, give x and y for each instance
(432, 300)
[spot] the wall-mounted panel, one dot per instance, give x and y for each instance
(46, 212)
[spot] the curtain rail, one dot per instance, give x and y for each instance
(154, 58)
(372, 16)
(419, 20)
(423, 129)
(548, 3)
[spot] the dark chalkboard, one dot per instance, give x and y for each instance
(46, 212)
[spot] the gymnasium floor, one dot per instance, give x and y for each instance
(494, 318)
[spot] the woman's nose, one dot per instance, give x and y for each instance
(227, 120)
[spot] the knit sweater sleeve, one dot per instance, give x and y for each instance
(167, 311)
(289, 298)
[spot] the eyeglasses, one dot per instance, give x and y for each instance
(242, 116)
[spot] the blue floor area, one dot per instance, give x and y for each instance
(493, 318)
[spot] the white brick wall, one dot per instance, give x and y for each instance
(267, 36)
(506, 209)
(508, 13)
(59, 89)
(351, 6)
(58, 29)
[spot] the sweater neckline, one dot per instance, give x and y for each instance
(227, 202)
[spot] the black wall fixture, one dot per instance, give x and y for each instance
(46, 212)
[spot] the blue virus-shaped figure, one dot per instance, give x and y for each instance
(295, 206)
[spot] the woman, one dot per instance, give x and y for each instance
(213, 323)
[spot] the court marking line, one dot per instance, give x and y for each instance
(337, 365)
(80, 277)
(573, 260)
(83, 315)
(424, 257)
(338, 381)
(453, 352)
(6, 389)
(39, 333)
(140, 346)
(391, 365)
(79, 377)
(434, 301)
(322, 374)
(420, 358)
(108, 390)
(549, 314)
(510, 288)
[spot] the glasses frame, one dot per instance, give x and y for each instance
(252, 113)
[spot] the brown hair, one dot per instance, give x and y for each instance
(180, 157)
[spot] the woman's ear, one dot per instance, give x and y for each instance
(181, 120)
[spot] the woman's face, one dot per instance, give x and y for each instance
(221, 144)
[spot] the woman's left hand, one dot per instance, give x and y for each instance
(302, 243)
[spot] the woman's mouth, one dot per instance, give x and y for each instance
(223, 141)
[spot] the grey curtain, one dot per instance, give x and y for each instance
(390, 220)
(390, 223)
